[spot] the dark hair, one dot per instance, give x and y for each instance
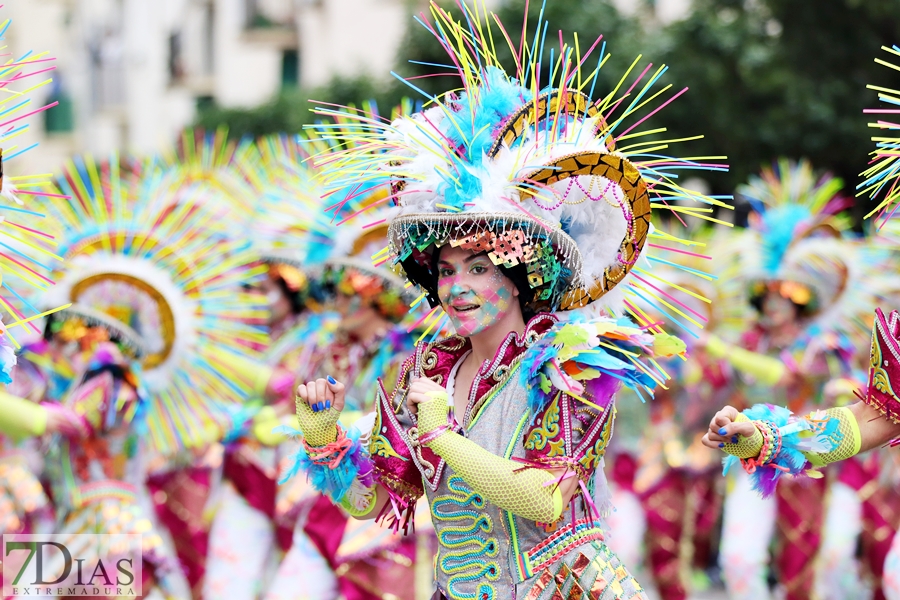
(517, 274)
(757, 300)
(296, 300)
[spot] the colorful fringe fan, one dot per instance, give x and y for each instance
(337, 475)
(27, 240)
(160, 270)
(882, 177)
(596, 357)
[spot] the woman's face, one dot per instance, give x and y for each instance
(473, 291)
(777, 311)
(279, 305)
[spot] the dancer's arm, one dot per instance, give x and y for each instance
(336, 463)
(532, 493)
(21, 418)
(762, 368)
(874, 430)
(262, 380)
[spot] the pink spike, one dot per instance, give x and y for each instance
(678, 250)
(653, 112)
(27, 193)
(630, 89)
(43, 108)
(509, 42)
(34, 231)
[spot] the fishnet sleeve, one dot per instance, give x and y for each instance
(526, 492)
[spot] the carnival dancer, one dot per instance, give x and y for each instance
(799, 445)
(221, 175)
(370, 339)
(516, 203)
(807, 281)
(770, 441)
(152, 283)
(243, 550)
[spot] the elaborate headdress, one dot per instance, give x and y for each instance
(289, 227)
(207, 169)
(801, 247)
(159, 272)
(527, 168)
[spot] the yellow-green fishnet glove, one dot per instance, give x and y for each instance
(850, 442)
(318, 428)
(529, 493)
(746, 447)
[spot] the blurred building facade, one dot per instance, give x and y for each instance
(132, 73)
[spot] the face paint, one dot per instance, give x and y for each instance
(473, 291)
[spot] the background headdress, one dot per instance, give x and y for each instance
(800, 246)
(208, 169)
(161, 273)
(289, 227)
(526, 167)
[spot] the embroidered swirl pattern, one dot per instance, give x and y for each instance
(464, 532)
(547, 428)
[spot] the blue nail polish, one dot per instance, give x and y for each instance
(321, 406)
(734, 439)
(314, 407)
(721, 445)
(327, 404)
(332, 380)
(722, 431)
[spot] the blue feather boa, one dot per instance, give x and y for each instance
(336, 482)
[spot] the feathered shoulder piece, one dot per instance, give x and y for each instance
(591, 359)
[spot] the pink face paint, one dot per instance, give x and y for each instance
(473, 291)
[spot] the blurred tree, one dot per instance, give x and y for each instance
(773, 78)
(291, 109)
(767, 78)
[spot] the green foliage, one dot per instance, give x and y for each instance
(778, 78)
(292, 108)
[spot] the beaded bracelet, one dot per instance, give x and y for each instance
(771, 447)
